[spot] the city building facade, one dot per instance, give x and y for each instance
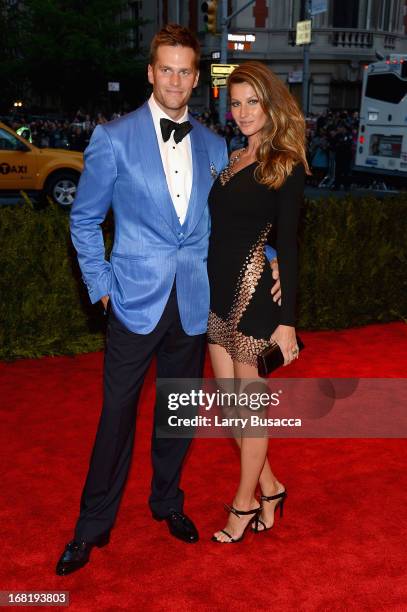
(345, 38)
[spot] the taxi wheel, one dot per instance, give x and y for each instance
(61, 188)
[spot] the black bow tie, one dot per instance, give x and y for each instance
(180, 129)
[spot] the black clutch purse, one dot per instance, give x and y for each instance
(272, 358)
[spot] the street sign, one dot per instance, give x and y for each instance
(303, 32)
(319, 6)
(242, 38)
(113, 86)
(222, 69)
(240, 42)
(219, 81)
(237, 46)
(295, 76)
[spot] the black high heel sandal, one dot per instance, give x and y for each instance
(281, 497)
(239, 513)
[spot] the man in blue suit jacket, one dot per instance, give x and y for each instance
(155, 167)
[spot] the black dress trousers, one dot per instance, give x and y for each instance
(127, 358)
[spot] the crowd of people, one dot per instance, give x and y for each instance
(60, 133)
(331, 144)
(331, 138)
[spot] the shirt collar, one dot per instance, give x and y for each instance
(158, 113)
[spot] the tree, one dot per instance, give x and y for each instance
(12, 74)
(67, 50)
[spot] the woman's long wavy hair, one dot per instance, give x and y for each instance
(282, 140)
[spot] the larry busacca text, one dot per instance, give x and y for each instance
(235, 409)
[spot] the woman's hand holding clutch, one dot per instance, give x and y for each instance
(284, 336)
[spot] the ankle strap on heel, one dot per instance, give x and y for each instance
(240, 513)
(271, 497)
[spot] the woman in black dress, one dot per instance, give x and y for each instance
(254, 200)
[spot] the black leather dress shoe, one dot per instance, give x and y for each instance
(180, 526)
(77, 553)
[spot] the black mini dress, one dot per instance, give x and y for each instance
(245, 216)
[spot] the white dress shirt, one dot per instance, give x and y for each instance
(177, 161)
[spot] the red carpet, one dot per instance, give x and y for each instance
(341, 543)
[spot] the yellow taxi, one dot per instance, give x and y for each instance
(51, 172)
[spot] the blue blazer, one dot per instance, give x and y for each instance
(123, 169)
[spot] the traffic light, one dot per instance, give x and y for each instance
(210, 10)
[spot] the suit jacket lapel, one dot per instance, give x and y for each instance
(153, 170)
(201, 178)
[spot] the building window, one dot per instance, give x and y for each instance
(395, 25)
(386, 15)
(378, 11)
(345, 13)
(281, 15)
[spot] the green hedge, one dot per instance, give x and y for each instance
(353, 262)
(352, 272)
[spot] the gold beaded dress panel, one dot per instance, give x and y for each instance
(246, 215)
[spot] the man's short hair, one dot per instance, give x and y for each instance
(175, 35)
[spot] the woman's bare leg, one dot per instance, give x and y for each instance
(222, 363)
(251, 454)
(268, 482)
